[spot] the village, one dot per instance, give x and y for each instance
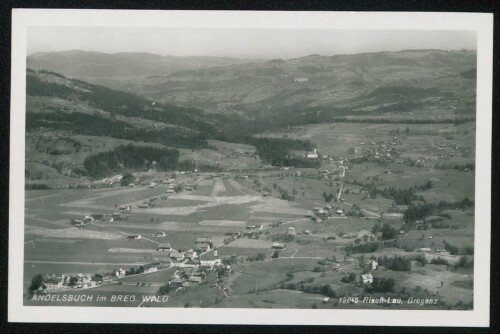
(206, 261)
(377, 214)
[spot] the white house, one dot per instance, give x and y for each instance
(367, 278)
(164, 247)
(120, 272)
(278, 245)
(211, 259)
(312, 155)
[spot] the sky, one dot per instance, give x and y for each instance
(242, 43)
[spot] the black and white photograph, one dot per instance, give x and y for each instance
(242, 167)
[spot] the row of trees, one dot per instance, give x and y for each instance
(380, 284)
(470, 166)
(131, 157)
(97, 125)
(276, 151)
(400, 196)
(388, 232)
(419, 211)
(397, 263)
(325, 290)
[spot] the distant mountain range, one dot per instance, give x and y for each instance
(153, 101)
(368, 83)
(93, 66)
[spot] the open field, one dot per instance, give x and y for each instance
(251, 201)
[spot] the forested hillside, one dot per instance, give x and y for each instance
(59, 107)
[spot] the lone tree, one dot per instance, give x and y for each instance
(275, 255)
(36, 282)
(127, 179)
(260, 257)
(72, 281)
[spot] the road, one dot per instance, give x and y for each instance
(127, 234)
(50, 234)
(376, 216)
(340, 192)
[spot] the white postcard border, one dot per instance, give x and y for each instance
(481, 23)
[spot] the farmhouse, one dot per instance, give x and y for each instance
(424, 249)
(191, 254)
(195, 279)
(278, 245)
(235, 234)
(52, 282)
(78, 223)
(202, 247)
(371, 264)
(124, 208)
(84, 278)
(134, 237)
(203, 244)
(290, 231)
(164, 247)
(108, 218)
(211, 259)
(301, 79)
(176, 283)
(367, 278)
(160, 234)
(120, 272)
(175, 255)
(312, 155)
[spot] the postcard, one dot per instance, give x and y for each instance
(243, 167)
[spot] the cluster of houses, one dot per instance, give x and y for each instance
(384, 151)
(122, 214)
(452, 150)
(186, 277)
(53, 282)
(172, 188)
(321, 213)
(189, 257)
(197, 261)
(291, 231)
(108, 181)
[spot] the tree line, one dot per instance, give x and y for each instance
(97, 125)
(130, 157)
(420, 211)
